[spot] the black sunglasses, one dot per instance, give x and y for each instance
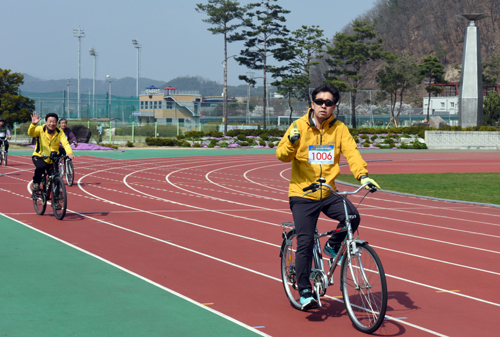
(320, 102)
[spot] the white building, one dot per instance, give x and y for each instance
(441, 105)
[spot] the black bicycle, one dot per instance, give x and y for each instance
(51, 187)
(3, 153)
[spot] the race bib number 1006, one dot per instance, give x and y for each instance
(321, 154)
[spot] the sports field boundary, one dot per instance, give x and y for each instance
(424, 196)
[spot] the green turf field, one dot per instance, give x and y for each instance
(476, 187)
(52, 289)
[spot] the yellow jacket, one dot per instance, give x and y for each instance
(331, 132)
(45, 145)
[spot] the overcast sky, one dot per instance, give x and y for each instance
(36, 37)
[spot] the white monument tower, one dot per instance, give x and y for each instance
(470, 99)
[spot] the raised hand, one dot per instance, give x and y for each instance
(294, 134)
(35, 118)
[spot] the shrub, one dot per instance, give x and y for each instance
(262, 143)
(179, 137)
(241, 137)
(194, 134)
(271, 145)
(185, 143)
(264, 137)
(366, 144)
(224, 144)
(364, 137)
(373, 137)
(211, 145)
(110, 145)
(129, 144)
(356, 139)
(197, 144)
(213, 133)
(151, 141)
(244, 143)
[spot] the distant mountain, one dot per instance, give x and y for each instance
(125, 87)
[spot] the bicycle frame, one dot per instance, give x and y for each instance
(322, 280)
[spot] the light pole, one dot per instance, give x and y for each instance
(68, 97)
(109, 98)
(137, 46)
(93, 53)
(79, 33)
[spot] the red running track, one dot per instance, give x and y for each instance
(208, 228)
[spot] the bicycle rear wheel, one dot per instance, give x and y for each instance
(288, 277)
(364, 288)
(39, 200)
(59, 200)
(70, 172)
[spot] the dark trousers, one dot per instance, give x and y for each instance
(305, 216)
(40, 167)
(6, 144)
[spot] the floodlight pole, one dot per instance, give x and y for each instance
(93, 53)
(68, 97)
(79, 33)
(137, 46)
(109, 99)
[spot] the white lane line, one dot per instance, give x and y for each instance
(436, 260)
(146, 279)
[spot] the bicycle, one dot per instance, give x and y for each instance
(66, 169)
(362, 276)
(51, 187)
(3, 153)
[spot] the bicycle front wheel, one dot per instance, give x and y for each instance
(288, 249)
(69, 174)
(59, 200)
(364, 288)
(39, 201)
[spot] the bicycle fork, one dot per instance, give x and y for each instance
(318, 276)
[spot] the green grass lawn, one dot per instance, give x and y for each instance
(477, 187)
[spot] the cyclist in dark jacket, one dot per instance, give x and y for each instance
(63, 125)
(4, 133)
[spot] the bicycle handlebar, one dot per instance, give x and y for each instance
(322, 182)
(53, 156)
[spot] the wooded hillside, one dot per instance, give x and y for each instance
(435, 27)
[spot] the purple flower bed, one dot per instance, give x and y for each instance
(85, 147)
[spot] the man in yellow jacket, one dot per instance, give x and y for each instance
(313, 144)
(49, 136)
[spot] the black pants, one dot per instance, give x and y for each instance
(305, 216)
(6, 144)
(40, 167)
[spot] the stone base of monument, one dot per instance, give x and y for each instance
(462, 140)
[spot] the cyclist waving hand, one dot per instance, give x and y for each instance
(48, 138)
(313, 144)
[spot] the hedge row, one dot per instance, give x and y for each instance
(147, 130)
